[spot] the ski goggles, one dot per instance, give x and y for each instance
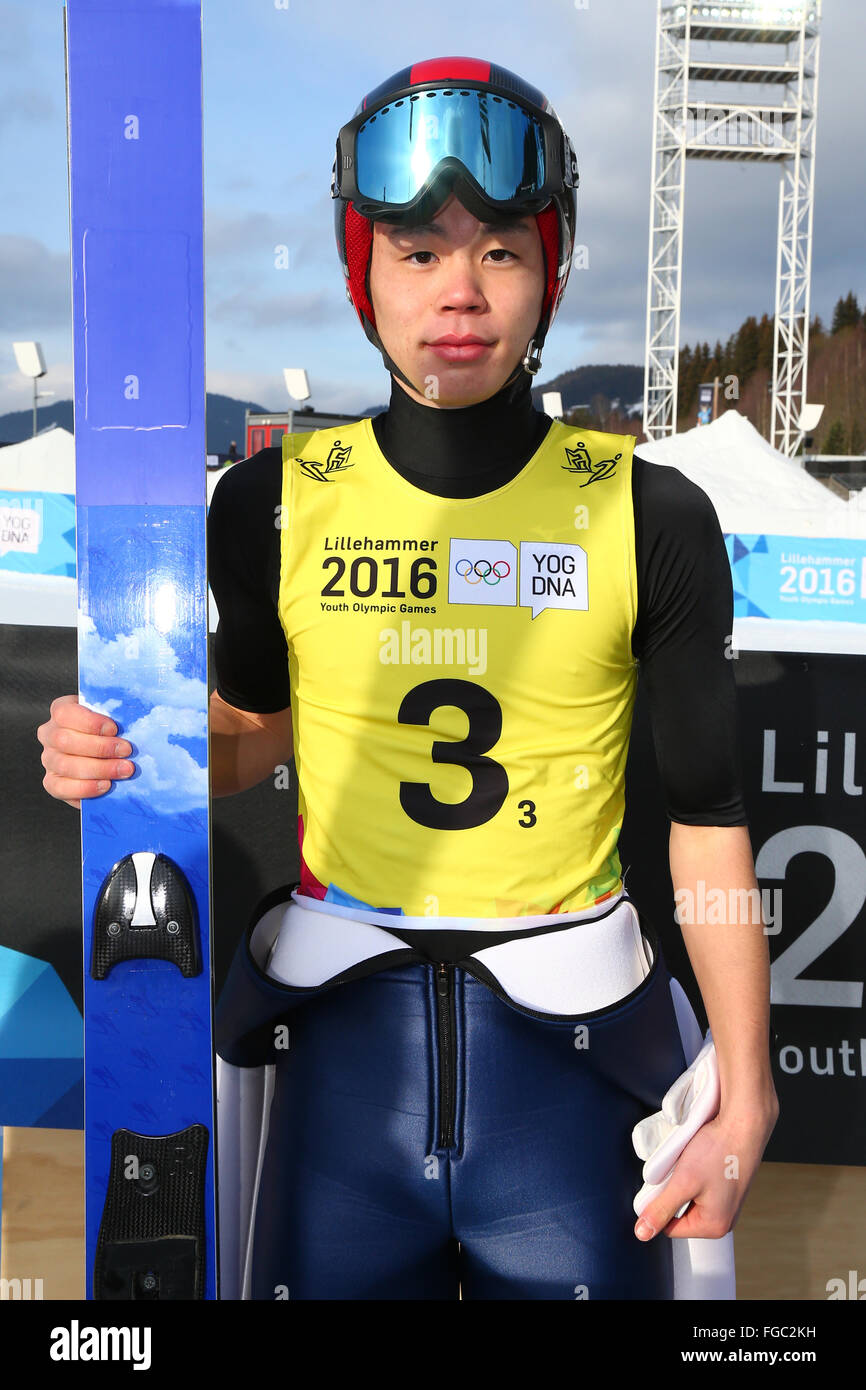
(513, 159)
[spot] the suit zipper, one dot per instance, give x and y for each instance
(445, 1041)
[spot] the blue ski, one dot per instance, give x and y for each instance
(134, 119)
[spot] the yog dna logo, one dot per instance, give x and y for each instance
(549, 574)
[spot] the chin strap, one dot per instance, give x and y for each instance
(396, 371)
(532, 357)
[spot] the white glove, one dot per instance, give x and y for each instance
(691, 1101)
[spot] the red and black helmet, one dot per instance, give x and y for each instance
(458, 124)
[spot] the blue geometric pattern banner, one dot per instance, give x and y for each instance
(41, 1037)
(798, 577)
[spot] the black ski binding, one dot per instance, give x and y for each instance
(152, 1237)
(145, 911)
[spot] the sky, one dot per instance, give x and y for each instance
(282, 76)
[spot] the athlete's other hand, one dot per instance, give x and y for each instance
(713, 1172)
(81, 752)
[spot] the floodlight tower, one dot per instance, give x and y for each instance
(780, 132)
(31, 362)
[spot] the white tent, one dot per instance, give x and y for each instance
(753, 487)
(45, 463)
(758, 491)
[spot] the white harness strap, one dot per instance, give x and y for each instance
(573, 970)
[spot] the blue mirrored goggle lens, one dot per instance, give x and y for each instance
(398, 148)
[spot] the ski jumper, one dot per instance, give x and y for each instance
(477, 1015)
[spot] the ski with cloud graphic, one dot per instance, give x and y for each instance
(135, 177)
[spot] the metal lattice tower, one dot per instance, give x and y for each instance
(778, 132)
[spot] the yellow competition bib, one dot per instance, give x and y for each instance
(461, 674)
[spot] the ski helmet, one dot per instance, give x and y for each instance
(461, 124)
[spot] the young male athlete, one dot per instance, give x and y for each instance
(435, 1047)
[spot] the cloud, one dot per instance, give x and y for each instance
(157, 677)
(26, 105)
(166, 771)
(238, 183)
(266, 388)
(15, 43)
(255, 232)
(281, 310)
(227, 235)
(168, 775)
(34, 287)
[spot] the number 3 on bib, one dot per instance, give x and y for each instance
(489, 778)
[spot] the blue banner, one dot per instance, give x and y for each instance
(37, 533)
(798, 577)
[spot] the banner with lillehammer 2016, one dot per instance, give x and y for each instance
(803, 740)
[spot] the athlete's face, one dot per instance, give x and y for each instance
(458, 277)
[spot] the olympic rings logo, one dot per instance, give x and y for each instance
(500, 569)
